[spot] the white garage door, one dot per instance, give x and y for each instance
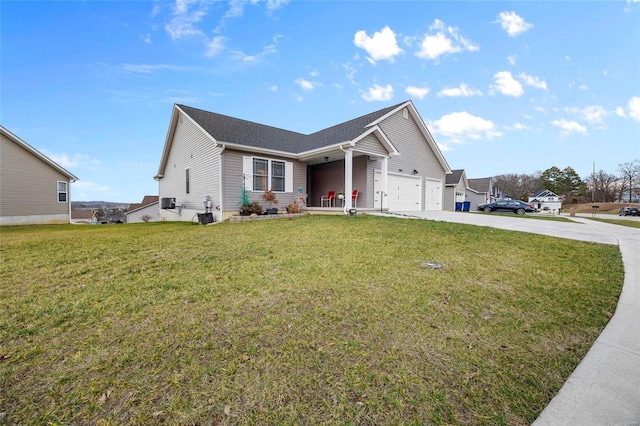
(403, 192)
(432, 194)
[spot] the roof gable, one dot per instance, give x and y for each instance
(480, 184)
(37, 153)
(455, 177)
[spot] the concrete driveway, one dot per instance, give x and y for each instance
(605, 387)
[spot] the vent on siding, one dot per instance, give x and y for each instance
(405, 113)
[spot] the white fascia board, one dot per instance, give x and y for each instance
(257, 150)
(142, 207)
(382, 137)
(303, 156)
(38, 154)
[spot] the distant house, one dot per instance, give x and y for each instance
(481, 191)
(148, 208)
(33, 188)
(545, 200)
(455, 189)
(84, 216)
(388, 156)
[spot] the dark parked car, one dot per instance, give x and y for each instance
(629, 211)
(515, 206)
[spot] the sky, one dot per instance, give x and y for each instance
(504, 87)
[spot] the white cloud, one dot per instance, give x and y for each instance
(533, 81)
(568, 58)
(215, 46)
(513, 24)
(443, 40)
(351, 72)
(518, 126)
(417, 92)
(146, 38)
(381, 46)
(378, 93)
(568, 127)
(186, 14)
(512, 59)
(459, 126)
(149, 68)
(276, 4)
(73, 161)
(253, 59)
(594, 114)
(273, 88)
(620, 112)
(634, 108)
(506, 84)
(305, 85)
(462, 90)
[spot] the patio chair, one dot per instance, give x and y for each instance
(330, 199)
(354, 198)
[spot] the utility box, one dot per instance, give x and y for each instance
(168, 203)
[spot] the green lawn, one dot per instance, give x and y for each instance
(315, 320)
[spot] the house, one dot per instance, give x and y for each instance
(84, 216)
(545, 200)
(481, 191)
(388, 156)
(455, 190)
(148, 209)
(33, 188)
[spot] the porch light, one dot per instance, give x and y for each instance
(326, 158)
(415, 172)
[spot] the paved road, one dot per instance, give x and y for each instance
(605, 387)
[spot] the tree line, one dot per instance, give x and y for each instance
(599, 186)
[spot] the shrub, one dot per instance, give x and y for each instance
(249, 209)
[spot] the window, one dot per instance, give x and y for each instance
(268, 174)
(187, 181)
(62, 191)
(261, 174)
(277, 176)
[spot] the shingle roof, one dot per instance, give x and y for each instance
(242, 132)
(480, 184)
(454, 177)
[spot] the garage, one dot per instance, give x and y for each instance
(404, 192)
(433, 194)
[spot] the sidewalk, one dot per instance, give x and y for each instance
(605, 387)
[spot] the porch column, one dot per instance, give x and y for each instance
(348, 179)
(383, 184)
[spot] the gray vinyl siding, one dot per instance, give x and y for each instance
(415, 152)
(28, 186)
(370, 144)
(232, 187)
(360, 182)
(449, 198)
(191, 149)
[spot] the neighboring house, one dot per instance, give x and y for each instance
(480, 191)
(84, 216)
(389, 156)
(455, 189)
(33, 188)
(149, 207)
(545, 200)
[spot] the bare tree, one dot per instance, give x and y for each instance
(630, 174)
(602, 186)
(518, 186)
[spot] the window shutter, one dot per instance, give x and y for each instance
(288, 176)
(247, 172)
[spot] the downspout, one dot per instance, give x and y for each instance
(220, 180)
(70, 182)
